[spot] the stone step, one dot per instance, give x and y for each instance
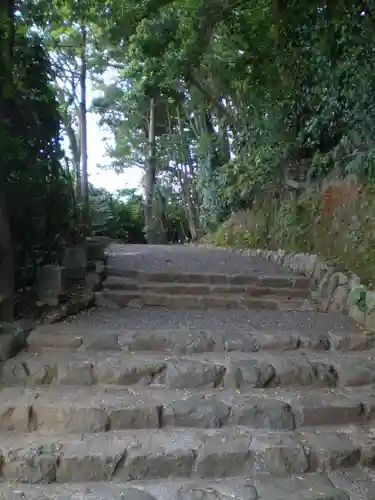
(123, 298)
(209, 370)
(274, 281)
(334, 485)
(252, 290)
(78, 409)
(186, 340)
(182, 453)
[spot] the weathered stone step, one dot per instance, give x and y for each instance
(209, 370)
(186, 340)
(311, 486)
(123, 298)
(252, 290)
(80, 409)
(182, 453)
(280, 281)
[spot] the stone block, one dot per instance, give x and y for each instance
(310, 263)
(319, 272)
(13, 338)
(75, 258)
(297, 487)
(103, 302)
(162, 455)
(93, 282)
(288, 260)
(319, 408)
(326, 287)
(281, 257)
(262, 413)
(95, 248)
(251, 373)
(355, 369)
(279, 454)
(328, 450)
(369, 322)
(124, 371)
(196, 411)
(30, 462)
(191, 374)
(228, 456)
(356, 482)
(339, 298)
(351, 341)
(75, 262)
(354, 280)
(370, 301)
(80, 301)
(103, 240)
(100, 268)
(358, 315)
(296, 262)
(88, 459)
(51, 284)
(274, 257)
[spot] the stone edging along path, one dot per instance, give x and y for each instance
(61, 290)
(333, 288)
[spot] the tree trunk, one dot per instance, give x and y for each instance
(6, 89)
(83, 131)
(186, 188)
(150, 219)
(6, 263)
(76, 153)
(194, 191)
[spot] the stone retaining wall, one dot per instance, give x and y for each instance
(63, 290)
(60, 291)
(333, 287)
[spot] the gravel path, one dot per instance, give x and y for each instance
(186, 258)
(230, 320)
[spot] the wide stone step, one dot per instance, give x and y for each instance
(248, 290)
(123, 298)
(312, 486)
(182, 453)
(197, 371)
(274, 281)
(187, 340)
(80, 409)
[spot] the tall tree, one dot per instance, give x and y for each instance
(7, 38)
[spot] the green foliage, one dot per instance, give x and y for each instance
(292, 223)
(121, 217)
(237, 238)
(117, 218)
(39, 193)
(291, 84)
(357, 296)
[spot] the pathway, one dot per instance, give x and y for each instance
(191, 404)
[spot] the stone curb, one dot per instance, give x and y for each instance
(333, 287)
(65, 290)
(61, 291)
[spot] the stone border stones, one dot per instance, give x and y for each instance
(70, 288)
(333, 287)
(13, 338)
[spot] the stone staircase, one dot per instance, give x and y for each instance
(173, 288)
(105, 407)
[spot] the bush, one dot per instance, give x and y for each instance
(345, 235)
(116, 218)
